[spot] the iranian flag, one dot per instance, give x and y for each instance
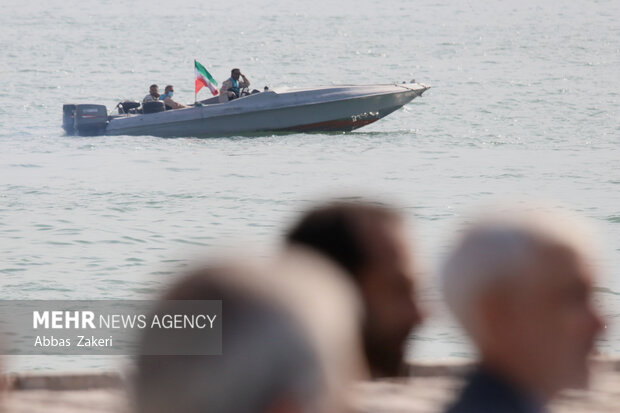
(204, 78)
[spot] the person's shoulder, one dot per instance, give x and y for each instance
(467, 405)
(484, 392)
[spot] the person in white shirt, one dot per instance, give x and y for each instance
(153, 94)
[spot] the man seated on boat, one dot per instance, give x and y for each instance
(167, 98)
(231, 87)
(153, 94)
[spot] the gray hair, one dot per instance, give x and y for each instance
(266, 356)
(499, 249)
(280, 341)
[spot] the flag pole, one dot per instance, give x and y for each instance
(195, 93)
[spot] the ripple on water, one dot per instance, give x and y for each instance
(605, 290)
(25, 165)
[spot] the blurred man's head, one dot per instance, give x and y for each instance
(263, 352)
(370, 243)
(235, 73)
(277, 355)
(522, 289)
(153, 89)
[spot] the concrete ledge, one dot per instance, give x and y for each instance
(456, 367)
(115, 380)
(439, 368)
(431, 387)
(64, 381)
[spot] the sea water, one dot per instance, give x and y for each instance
(524, 105)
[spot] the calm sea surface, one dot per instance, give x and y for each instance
(525, 104)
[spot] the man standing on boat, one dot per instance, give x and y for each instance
(231, 87)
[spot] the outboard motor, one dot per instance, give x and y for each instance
(126, 106)
(68, 114)
(153, 106)
(90, 119)
(84, 119)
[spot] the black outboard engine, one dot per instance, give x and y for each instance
(68, 114)
(84, 119)
(153, 106)
(126, 106)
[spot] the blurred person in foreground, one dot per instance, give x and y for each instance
(369, 242)
(284, 350)
(520, 284)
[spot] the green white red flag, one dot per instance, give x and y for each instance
(204, 78)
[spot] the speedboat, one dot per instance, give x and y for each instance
(321, 109)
